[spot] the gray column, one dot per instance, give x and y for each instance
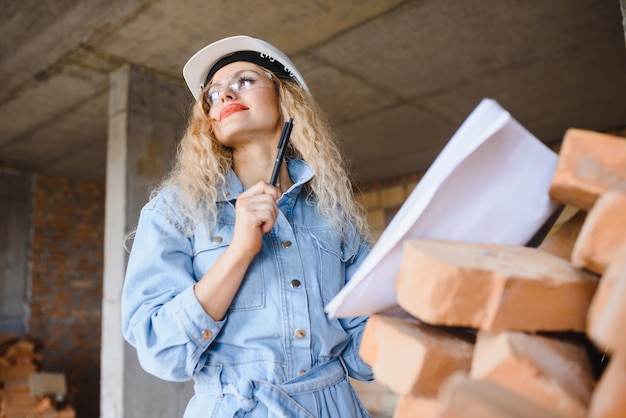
(15, 210)
(146, 119)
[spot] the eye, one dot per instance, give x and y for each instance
(244, 81)
(212, 96)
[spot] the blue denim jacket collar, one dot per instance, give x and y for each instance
(299, 171)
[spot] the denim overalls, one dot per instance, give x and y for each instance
(276, 353)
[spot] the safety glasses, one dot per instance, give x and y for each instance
(238, 82)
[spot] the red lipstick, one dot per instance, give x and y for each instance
(230, 109)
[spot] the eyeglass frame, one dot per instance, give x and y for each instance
(228, 83)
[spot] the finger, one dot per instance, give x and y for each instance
(263, 219)
(263, 188)
(261, 212)
(257, 202)
(255, 210)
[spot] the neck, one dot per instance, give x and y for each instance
(254, 163)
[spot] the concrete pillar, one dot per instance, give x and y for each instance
(15, 210)
(146, 119)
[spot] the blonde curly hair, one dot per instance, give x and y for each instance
(202, 163)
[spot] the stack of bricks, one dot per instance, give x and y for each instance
(20, 361)
(497, 330)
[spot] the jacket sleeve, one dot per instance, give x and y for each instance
(355, 326)
(161, 316)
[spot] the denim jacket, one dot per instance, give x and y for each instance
(276, 352)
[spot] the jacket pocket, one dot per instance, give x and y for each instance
(210, 247)
(333, 256)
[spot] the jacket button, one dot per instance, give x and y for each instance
(295, 284)
(301, 372)
(206, 334)
(217, 240)
(286, 244)
(300, 333)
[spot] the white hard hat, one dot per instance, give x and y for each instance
(204, 63)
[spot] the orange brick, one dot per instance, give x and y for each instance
(413, 407)
(461, 397)
(370, 199)
(21, 352)
(17, 372)
(607, 312)
(492, 287)
(560, 241)
(411, 358)
(18, 403)
(603, 232)
(376, 218)
(393, 196)
(590, 163)
(609, 397)
(554, 373)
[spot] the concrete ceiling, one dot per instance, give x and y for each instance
(396, 77)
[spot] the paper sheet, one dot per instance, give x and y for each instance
(489, 184)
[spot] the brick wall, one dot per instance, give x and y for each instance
(66, 259)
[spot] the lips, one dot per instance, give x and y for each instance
(230, 109)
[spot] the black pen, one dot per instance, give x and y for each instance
(282, 146)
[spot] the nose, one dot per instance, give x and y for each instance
(226, 93)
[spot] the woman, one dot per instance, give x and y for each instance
(228, 275)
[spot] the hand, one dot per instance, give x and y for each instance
(256, 211)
